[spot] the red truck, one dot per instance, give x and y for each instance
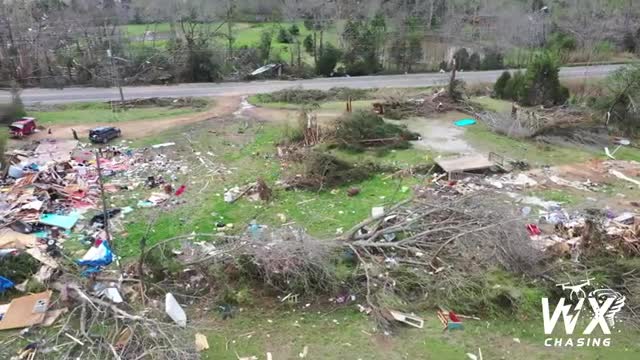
(22, 127)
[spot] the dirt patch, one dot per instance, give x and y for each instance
(440, 134)
(620, 197)
(140, 128)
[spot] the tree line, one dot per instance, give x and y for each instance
(54, 43)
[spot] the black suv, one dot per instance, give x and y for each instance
(103, 134)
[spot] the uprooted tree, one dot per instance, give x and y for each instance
(422, 252)
(621, 106)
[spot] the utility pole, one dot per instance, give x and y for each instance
(104, 206)
(115, 75)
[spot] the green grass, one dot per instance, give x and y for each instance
(536, 154)
(492, 104)
(564, 196)
(628, 153)
(99, 112)
(140, 29)
(321, 214)
(348, 334)
(247, 34)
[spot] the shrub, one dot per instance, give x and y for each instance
(620, 101)
(264, 48)
(284, 36)
(604, 47)
(542, 85)
(559, 41)
(629, 42)
(332, 171)
(474, 62)
(308, 44)
(513, 87)
(501, 84)
(462, 59)
(328, 60)
(362, 129)
(294, 30)
(13, 111)
(493, 60)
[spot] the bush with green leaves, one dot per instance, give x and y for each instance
(360, 54)
(294, 30)
(12, 111)
(621, 102)
(560, 41)
(542, 84)
(308, 44)
(501, 84)
(365, 129)
(461, 57)
(629, 42)
(284, 37)
(513, 87)
(328, 60)
(474, 62)
(493, 60)
(264, 47)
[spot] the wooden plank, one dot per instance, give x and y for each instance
(465, 163)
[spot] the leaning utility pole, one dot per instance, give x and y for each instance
(104, 208)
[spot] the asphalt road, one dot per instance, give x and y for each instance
(84, 94)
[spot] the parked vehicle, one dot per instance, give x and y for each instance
(104, 134)
(23, 127)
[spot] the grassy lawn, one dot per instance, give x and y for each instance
(492, 104)
(322, 214)
(140, 29)
(98, 112)
(245, 33)
(536, 154)
(348, 334)
(329, 333)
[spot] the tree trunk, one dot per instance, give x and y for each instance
(321, 42)
(430, 14)
(315, 49)
(230, 39)
(452, 80)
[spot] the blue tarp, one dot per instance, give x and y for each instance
(5, 284)
(465, 122)
(96, 258)
(61, 221)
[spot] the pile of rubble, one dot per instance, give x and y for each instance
(550, 225)
(48, 192)
(52, 199)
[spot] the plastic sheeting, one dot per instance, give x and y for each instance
(96, 257)
(5, 284)
(61, 221)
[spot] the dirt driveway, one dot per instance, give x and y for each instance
(135, 129)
